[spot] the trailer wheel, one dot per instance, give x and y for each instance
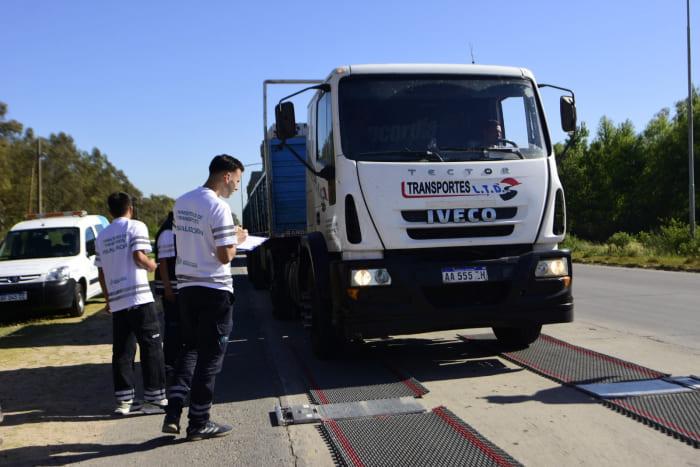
(255, 274)
(518, 337)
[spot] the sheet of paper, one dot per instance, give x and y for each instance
(250, 243)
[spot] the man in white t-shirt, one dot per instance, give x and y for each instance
(166, 287)
(122, 249)
(206, 240)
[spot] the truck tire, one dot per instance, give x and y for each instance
(327, 341)
(78, 306)
(255, 273)
(282, 304)
(517, 337)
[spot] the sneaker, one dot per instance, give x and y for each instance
(209, 430)
(127, 407)
(155, 407)
(171, 425)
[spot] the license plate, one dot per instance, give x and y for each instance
(472, 274)
(13, 297)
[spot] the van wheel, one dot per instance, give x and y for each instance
(518, 338)
(78, 306)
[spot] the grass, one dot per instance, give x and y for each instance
(17, 322)
(670, 249)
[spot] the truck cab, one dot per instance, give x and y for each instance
(433, 203)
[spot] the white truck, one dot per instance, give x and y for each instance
(432, 203)
(47, 262)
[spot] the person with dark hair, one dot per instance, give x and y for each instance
(206, 240)
(492, 133)
(165, 284)
(121, 256)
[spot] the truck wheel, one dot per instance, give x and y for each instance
(254, 270)
(519, 337)
(326, 342)
(282, 305)
(78, 306)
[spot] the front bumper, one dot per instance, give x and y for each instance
(417, 300)
(41, 296)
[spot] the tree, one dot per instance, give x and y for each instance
(72, 179)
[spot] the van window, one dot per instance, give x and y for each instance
(89, 241)
(41, 243)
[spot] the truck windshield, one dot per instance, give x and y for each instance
(40, 243)
(403, 118)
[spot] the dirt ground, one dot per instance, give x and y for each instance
(67, 358)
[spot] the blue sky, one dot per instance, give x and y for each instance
(162, 86)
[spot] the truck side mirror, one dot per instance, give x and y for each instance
(567, 108)
(285, 123)
(327, 173)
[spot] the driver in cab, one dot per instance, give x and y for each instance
(492, 133)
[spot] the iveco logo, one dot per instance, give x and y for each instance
(460, 215)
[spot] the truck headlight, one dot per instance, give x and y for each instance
(58, 274)
(555, 267)
(369, 277)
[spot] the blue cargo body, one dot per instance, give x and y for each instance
(288, 192)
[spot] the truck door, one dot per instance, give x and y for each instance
(325, 196)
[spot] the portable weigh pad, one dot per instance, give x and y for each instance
(669, 404)
(571, 364)
(433, 438)
(409, 387)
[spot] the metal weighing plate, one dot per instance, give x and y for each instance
(571, 364)
(312, 413)
(407, 388)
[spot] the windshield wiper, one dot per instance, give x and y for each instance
(486, 149)
(426, 153)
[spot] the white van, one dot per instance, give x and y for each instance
(48, 262)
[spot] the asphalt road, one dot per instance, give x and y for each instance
(641, 316)
(662, 304)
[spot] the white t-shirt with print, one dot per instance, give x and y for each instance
(127, 284)
(166, 250)
(166, 244)
(203, 222)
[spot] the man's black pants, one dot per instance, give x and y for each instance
(206, 320)
(137, 324)
(172, 342)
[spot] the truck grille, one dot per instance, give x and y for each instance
(422, 215)
(432, 233)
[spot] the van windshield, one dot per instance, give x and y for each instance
(402, 118)
(40, 243)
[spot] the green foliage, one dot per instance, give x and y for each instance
(624, 181)
(72, 179)
(620, 239)
(153, 210)
(671, 240)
